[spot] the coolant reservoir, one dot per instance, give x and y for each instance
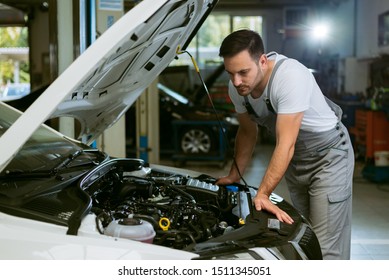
(131, 228)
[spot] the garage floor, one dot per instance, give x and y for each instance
(370, 229)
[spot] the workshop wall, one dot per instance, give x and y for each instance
(367, 28)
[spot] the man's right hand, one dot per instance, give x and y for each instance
(225, 181)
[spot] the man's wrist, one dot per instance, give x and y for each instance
(261, 191)
(234, 177)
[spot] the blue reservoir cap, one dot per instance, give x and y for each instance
(232, 188)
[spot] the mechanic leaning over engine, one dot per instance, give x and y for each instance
(313, 148)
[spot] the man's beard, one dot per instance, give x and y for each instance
(243, 90)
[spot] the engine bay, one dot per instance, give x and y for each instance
(159, 207)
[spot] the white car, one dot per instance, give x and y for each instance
(62, 199)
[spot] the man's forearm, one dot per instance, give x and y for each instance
(287, 128)
(276, 169)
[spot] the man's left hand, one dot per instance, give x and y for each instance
(262, 202)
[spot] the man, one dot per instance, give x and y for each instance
(313, 149)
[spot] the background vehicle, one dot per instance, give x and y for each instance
(199, 131)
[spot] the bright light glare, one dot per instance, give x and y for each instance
(320, 31)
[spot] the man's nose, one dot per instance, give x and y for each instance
(236, 81)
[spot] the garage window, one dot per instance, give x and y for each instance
(205, 45)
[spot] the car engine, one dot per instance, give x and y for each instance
(157, 207)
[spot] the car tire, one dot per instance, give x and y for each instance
(196, 140)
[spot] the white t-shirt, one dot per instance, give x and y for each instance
(294, 89)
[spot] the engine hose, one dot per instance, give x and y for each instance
(198, 233)
(184, 193)
(100, 220)
(191, 237)
(204, 223)
(172, 233)
(98, 225)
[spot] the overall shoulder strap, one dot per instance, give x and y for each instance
(276, 66)
(267, 98)
(249, 108)
(247, 104)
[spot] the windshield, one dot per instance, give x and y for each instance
(43, 151)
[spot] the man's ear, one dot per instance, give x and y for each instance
(263, 60)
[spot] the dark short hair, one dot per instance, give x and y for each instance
(241, 40)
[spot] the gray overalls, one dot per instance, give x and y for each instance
(319, 179)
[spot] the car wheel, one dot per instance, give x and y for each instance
(196, 141)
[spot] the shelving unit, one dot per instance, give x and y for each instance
(371, 132)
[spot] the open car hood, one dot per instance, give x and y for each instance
(103, 82)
